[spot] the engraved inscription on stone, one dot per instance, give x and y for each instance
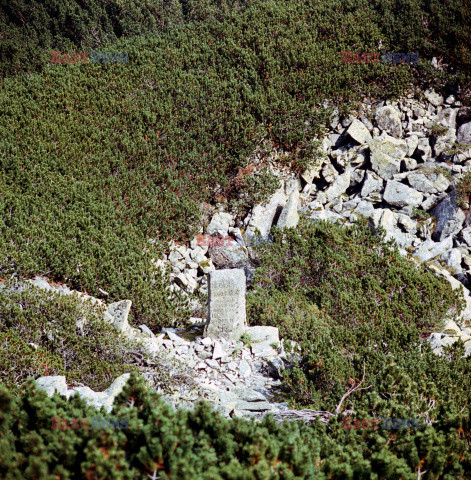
(227, 316)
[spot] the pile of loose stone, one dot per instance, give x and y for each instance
(239, 378)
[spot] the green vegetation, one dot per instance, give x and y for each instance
(97, 159)
(420, 214)
(457, 148)
(200, 444)
(463, 190)
(437, 129)
(357, 308)
(93, 354)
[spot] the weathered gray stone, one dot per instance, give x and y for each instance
(219, 224)
(412, 143)
(357, 176)
(119, 311)
(244, 368)
(253, 406)
(218, 351)
(263, 334)
(454, 259)
(263, 350)
(227, 315)
(146, 331)
(95, 399)
(364, 208)
(434, 98)
(53, 384)
(410, 163)
(212, 363)
(373, 184)
(424, 150)
(275, 367)
(450, 217)
(248, 395)
(444, 142)
(400, 195)
(386, 155)
(359, 132)
(340, 185)
(428, 180)
(117, 386)
(263, 215)
(430, 249)
(177, 341)
(447, 117)
(229, 257)
(289, 216)
(329, 173)
(327, 215)
(464, 134)
(389, 120)
(313, 172)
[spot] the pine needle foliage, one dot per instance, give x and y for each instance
(357, 307)
(200, 444)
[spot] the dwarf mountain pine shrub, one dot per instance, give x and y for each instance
(112, 155)
(94, 354)
(359, 311)
(200, 444)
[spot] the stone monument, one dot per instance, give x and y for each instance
(226, 293)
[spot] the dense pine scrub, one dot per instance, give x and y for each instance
(95, 159)
(361, 313)
(39, 336)
(161, 443)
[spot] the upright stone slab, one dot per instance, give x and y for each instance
(227, 316)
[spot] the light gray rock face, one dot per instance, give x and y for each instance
(119, 312)
(450, 217)
(359, 132)
(430, 249)
(340, 185)
(229, 257)
(289, 216)
(96, 399)
(219, 224)
(263, 215)
(117, 386)
(412, 143)
(444, 142)
(227, 315)
(263, 334)
(313, 172)
(428, 180)
(464, 134)
(386, 155)
(364, 208)
(424, 150)
(434, 98)
(389, 120)
(400, 195)
(447, 117)
(329, 173)
(373, 184)
(53, 384)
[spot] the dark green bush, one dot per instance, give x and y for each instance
(355, 305)
(96, 159)
(200, 444)
(95, 357)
